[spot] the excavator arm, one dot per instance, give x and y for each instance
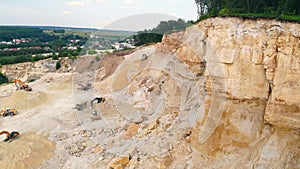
(98, 99)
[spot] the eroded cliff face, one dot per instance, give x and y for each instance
(222, 94)
(250, 116)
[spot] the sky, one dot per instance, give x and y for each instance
(92, 13)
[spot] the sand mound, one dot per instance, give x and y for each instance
(22, 100)
(28, 151)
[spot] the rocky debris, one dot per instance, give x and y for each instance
(31, 71)
(110, 132)
(62, 136)
(132, 130)
(76, 148)
(149, 128)
(139, 119)
(97, 149)
(81, 106)
(120, 163)
(81, 142)
(162, 161)
(85, 87)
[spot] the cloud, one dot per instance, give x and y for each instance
(97, 1)
(66, 12)
(76, 3)
(128, 2)
(85, 2)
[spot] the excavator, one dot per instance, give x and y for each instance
(22, 86)
(10, 136)
(99, 100)
(8, 112)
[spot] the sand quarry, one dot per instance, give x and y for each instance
(132, 128)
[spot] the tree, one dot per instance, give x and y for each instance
(202, 7)
(58, 65)
(251, 8)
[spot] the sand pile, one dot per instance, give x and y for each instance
(28, 151)
(22, 100)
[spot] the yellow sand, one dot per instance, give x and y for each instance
(27, 151)
(22, 100)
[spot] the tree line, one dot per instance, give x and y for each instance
(155, 35)
(7, 33)
(268, 8)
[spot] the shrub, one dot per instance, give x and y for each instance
(55, 57)
(97, 58)
(58, 65)
(224, 12)
(3, 78)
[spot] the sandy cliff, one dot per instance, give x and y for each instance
(251, 111)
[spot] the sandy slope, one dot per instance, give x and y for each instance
(136, 119)
(47, 109)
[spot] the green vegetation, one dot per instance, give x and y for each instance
(55, 57)
(59, 31)
(92, 52)
(24, 51)
(3, 78)
(21, 58)
(98, 58)
(167, 27)
(27, 44)
(147, 38)
(58, 65)
(155, 35)
(287, 10)
(8, 33)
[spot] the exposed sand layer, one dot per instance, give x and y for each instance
(22, 100)
(28, 151)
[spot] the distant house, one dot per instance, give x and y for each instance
(122, 46)
(116, 46)
(17, 41)
(72, 48)
(35, 47)
(47, 48)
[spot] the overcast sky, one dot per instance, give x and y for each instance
(89, 13)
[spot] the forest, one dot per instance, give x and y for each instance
(288, 10)
(8, 33)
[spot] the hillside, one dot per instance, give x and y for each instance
(221, 94)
